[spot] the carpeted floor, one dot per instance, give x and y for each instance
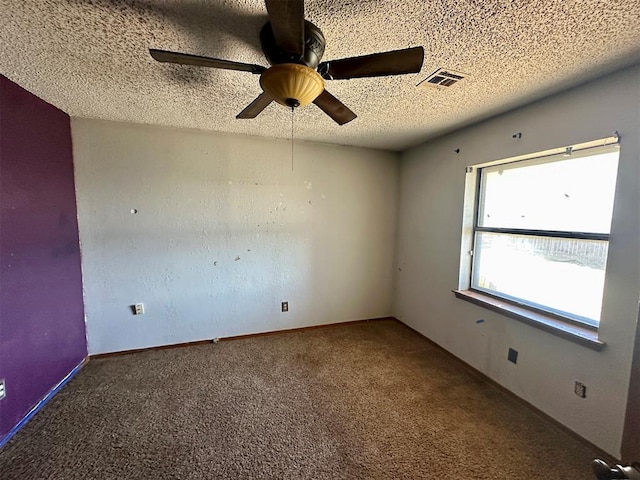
(363, 401)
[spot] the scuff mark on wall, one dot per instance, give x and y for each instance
(68, 249)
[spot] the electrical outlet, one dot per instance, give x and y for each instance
(580, 389)
(512, 356)
(285, 306)
(138, 308)
(3, 391)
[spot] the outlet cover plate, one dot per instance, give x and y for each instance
(3, 390)
(512, 356)
(285, 306)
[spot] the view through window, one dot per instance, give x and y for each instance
(541, 233)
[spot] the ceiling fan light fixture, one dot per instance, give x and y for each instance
(291, 84)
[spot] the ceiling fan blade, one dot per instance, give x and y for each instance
(188, 59)
(287, 22)
(254, 108)
(334, 108)
(396, 62)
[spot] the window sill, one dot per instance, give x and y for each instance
(575, 333)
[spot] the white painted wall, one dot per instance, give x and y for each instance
(225, 231)
(428, 250)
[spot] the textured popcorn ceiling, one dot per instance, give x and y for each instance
(90, 58)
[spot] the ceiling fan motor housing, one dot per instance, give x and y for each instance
(314, 44)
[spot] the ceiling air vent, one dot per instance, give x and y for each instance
(442, 78)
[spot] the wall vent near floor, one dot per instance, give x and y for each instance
(442, 78)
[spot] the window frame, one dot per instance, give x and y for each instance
(579, 329)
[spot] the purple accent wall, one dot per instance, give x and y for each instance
(42, 331)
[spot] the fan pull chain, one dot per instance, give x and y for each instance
(292, 108)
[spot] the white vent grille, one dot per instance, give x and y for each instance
(442, 78)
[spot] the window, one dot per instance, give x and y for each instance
(541, 231)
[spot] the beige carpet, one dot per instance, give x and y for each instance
(362, 401)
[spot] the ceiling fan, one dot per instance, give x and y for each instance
(294, 48)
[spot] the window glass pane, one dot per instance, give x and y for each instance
(571, 194)
(563, 275)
